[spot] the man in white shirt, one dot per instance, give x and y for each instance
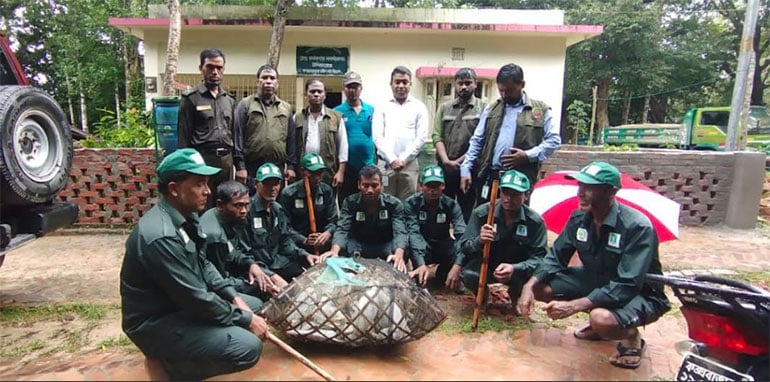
(322, 131)
(400, 128)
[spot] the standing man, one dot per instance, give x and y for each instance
(175, 305)
(269, 226)
(357, 115)
(400, 128)
(618, 247)
(264, 129)
(518, 239)
(322, 131)
(434, 220)
(453, 127)
(371, 223)
(294, 200)
(206, 119)
(515, 132)
(228, 244)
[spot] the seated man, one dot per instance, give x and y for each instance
(371, 223)
(518, 239)
(269, 225)
(228, 244)
(175, 305)
(617, 246)
(429, 215)
(294, 200)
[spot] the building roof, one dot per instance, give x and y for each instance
(543, 23)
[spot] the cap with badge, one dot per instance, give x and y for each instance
(432, 173)
(597, 173)
(351, 78)
(267, 171)
(313, 162)
(514, 180)
(187, 159)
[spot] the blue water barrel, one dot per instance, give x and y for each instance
(166, 118)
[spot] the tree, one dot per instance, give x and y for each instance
(172, 50)
(276, 37)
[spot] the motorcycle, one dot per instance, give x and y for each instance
(728, 323)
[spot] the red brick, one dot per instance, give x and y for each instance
(99, 214)
(88, 220)
(88, 194)
(127, 186)
(89, 207)
(100, 186)
(131, 200)
(103, 201)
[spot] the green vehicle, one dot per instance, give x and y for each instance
(702, 128)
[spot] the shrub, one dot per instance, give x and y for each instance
(134, 130)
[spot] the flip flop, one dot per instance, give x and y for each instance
(587, 334)
(629, 352)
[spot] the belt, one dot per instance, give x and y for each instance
(220, 152)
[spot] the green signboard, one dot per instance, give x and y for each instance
(322, 61)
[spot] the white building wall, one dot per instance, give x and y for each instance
(374, 54)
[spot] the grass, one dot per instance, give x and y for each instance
(119, 341)
(486, 323)
(7, 350)
(27, 315)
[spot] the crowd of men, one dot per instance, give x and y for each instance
(279, 191)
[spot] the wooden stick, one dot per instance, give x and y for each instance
(310, 208)
(485, 259)
(298, 356)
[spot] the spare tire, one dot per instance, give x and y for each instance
(36, 146)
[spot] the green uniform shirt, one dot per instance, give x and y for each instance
(386, 225)
(427, 226)
(228, 246)
(294, 201)
(205, 122)
(618, 257)
(523, 243)
(271, 230)
(454, 124)
(165, 272)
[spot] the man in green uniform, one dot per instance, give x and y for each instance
(269, 225)
(228, 244)
(518, 239)
(294, 200)
(371, 223)
(452, 130)
(206, 119)
(264, 129)
(175, 305)
(430, 215)
(617, 246)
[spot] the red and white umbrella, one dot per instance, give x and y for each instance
(555, 198)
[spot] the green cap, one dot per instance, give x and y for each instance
(186, 159)
(432, 173)
(514, 180)
(268, 170)
(313, 162)
(597, 173)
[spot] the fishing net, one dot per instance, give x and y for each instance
(354, 302)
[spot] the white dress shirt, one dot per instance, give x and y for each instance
(400, 130)
(313, 142)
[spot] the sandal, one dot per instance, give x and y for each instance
(629, 352)
(586, 333)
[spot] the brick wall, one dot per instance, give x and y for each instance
(698, 180)
(115, 187)
(112, 187)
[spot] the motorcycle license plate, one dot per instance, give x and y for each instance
(696, 368)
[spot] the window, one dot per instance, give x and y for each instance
(458, 54)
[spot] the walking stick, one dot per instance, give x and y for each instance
(485, 259)
(298, 356)
(310, 209)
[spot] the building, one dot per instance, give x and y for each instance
(326, 42)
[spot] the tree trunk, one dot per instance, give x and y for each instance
(172, 57)
(602, 106)
(646, 109)
(118, 112)
(626, 108)
(658, 109)
(757, 87)
(276, 38)
(83, 108)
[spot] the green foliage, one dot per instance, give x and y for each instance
(623, 147)
(112, 342)
(578, 117)
(132, 131)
